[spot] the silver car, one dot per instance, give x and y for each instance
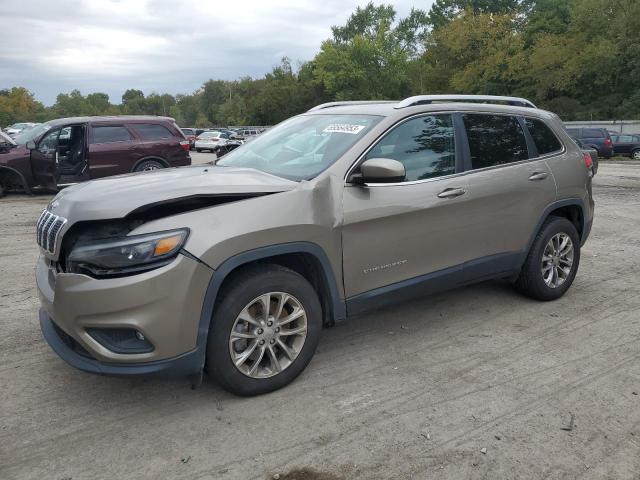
(234, 269)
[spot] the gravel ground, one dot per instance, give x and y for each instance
(474, 383)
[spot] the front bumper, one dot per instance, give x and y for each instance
(71, 352)
(164, 305)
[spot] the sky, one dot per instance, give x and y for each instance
(172, 46)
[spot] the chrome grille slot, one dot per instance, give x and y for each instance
(48, 228)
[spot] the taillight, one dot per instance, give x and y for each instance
(607, 142)
(184, 144)
(588, 161)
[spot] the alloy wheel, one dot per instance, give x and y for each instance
(268, 335)
(557, 260)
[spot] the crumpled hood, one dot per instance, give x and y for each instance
(115, 197)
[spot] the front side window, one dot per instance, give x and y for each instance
(424, 145)
(302, 147)
(494, 140)
(49, 142)
(152, 131)
(545, 140)
(111, 133)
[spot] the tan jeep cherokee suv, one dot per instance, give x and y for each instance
(235, 268)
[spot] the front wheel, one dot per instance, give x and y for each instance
(264, 331)
(148, 166)
(553, 261)
(635, 154)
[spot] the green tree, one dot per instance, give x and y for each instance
(19, 105)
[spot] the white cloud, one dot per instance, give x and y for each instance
(158, 45)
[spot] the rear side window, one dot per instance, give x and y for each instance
(109, 134)
(425, 145)
(494, 140)
(152, 131)
(545, 140)
(592, 133)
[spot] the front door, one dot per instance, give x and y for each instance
(44, 160)
(394, 234)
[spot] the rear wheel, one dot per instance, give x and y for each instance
(199, 150)
(148, 166)
(553, 261)
(264, 331)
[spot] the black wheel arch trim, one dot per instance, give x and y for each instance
(25, 184)
(567, 202)
(157, 159)
(337, 302)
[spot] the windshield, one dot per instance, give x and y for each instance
(31, 133)
(302, 147)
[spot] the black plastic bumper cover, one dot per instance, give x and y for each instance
(183, 365)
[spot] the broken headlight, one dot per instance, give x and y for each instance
(126, 255)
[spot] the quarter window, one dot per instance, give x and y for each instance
(152, 131)
(494, 140)
(543, 137)
(109, 134)
(425, 145)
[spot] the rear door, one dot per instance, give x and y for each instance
(112, 150)
(44, 160)
(510, 187)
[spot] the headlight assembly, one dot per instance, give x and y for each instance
(126, 255)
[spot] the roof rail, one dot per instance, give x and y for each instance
(427, 99)
(352, 102)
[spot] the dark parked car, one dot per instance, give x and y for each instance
(72, 150)
(627, 145)
(596, 138)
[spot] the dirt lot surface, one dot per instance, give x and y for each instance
(474, 383)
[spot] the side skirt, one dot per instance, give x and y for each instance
(494, 266)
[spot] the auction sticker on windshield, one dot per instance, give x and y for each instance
(343, 128)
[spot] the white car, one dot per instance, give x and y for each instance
(16, 128)
(211, 140)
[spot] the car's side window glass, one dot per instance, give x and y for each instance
(544, 138)
(494, 140)
(152, 131)
(625, 139)
(425, 145)
(49, 142)
(109, 134)
(592, 133)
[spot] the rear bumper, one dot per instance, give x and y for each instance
(72, 353)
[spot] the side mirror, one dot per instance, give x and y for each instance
(31, 145)
(380, 170)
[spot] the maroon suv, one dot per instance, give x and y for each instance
(71, 150)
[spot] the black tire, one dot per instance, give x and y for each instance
(241, 289)
(148, 165)
(634, 153)
(1, 191)
(199, 150)
(530, 282)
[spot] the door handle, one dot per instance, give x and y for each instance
(451, 192)
(538, 176)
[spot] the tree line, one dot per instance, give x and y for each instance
(578, 58)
